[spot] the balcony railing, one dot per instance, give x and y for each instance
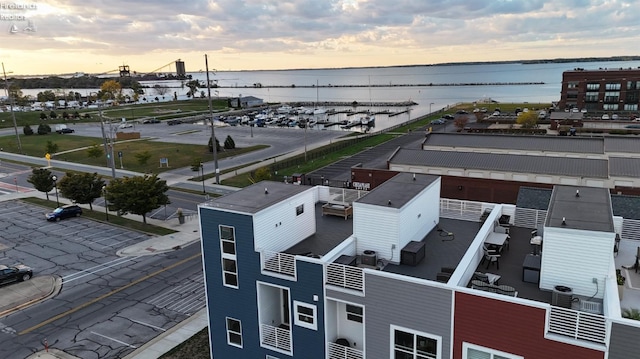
(578, 325)
(337, 351)
(462, 210)
(347, 277)
(282, 263)
(275, 337)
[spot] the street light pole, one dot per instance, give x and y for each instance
(213, 131)
(106, 203)
(55, 185)
(13, 115)
(430, 108)
(202, 169)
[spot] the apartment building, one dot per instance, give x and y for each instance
(602, 90)
(297, 271)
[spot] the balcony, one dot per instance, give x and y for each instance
(280, 263)
(577, 325)
(275, 337)
(347, 277)
(337, 351)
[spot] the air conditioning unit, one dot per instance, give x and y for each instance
(562, 296)
(369, 258)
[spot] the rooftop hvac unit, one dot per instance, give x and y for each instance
(369, 258)
(562, 296)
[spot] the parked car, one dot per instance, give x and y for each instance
(461, 112)
(125, 125)
(448, 117)
(605, 117)
(614, 117)
(174, 122)
(151, 120)
(70, 210)
(439, 121)
(15, 273)
(65, 130)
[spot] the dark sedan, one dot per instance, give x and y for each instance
(70, 210)
(16, 273)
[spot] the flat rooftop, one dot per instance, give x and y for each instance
(398, 190)
(330, 231)
(583, 208)
(257, 197)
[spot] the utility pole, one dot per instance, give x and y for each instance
(13, 115)
(213, 131)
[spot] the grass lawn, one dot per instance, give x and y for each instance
(100, 216)
(179, 155)
(244, 180)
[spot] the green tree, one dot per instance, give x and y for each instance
(43, 116)
(210, 144)
(229, 144)
(262, 174)
(51, 147)
(195, 164)
(44, 129)
(460, 123)
(46, 95)
(193, 87)
(143, 157)
(527, 119)
(27, 130)
(53, 115)
(138, 195)
(95, 151)
(41, 179)
(81, 188)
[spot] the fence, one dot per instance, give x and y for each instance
(577, 325)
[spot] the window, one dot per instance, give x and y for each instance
(612, 96)
(234, 332)
(354, 313)
(612, 86)
(409, 344)
(610, 106)
(300, 210)
(630, 107)
(229, 260)
(593, 86)
(633, 85)
(572, 85)
(591, 97)
(305, 315)
(632, 96)
(472, 351)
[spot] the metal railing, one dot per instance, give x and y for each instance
(463, 210)
(282, 263)
(577, 325)
(337, 351)
(275, 337)
(343, 276)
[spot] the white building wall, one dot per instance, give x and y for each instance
(376, 229)
(419, 216)
(573, 258)
(277, 228)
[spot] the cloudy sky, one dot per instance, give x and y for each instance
(96, 36)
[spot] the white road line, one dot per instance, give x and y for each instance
(148, 325)
(78, 275)
(115, 340)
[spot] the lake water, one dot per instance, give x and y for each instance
(236, 83)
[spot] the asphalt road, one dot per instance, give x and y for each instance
(108, 305)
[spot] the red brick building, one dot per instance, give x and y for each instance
(603, 90)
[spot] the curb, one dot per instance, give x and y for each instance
(56, 286)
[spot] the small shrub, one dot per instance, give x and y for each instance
(27, 130)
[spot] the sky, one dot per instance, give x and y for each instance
(96, 36)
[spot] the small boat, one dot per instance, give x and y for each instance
(284, 109)
(319, 111)
(244, 120)
(367, 120)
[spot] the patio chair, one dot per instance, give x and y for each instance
(443, 277)
(505, 230)
(491, 256)
(481, 277)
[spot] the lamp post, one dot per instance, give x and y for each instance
(106, 203)
(55, 185)
(202, 169)
(13, 115)
(213, 131)
(430, 107)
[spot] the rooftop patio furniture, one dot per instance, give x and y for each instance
(486, 277)
(498, 289)
(531, 268)
(443, 277)
(340, 210)
(412, 253)
(503, 230)
(491, 256)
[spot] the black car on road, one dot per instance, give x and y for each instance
(15, 273)
(65, 130)
(70, 210)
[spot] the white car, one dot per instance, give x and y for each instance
(125, 125)
(605, 117)
(614, 116)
